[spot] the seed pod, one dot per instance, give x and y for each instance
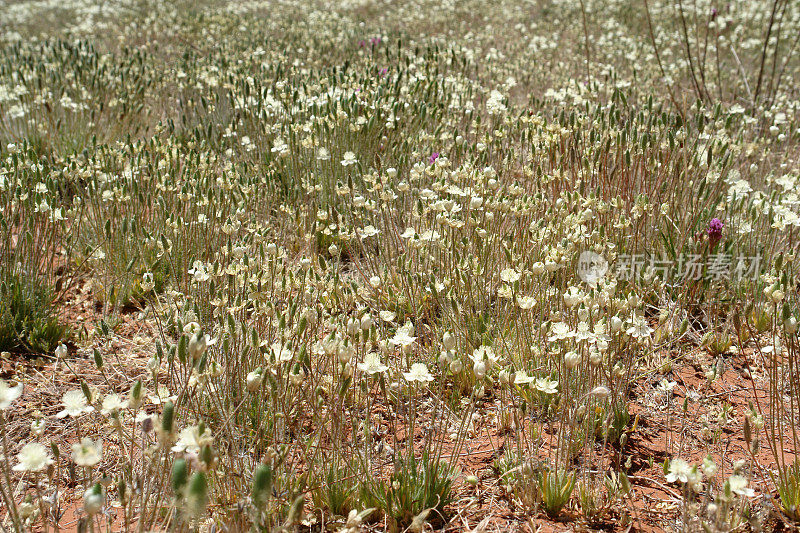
(167, 417)
(180, 475)
(207, 455)
(624, 482)
(122, 490)
(262, 484)
(86, 392)
(197, 494)
(747, 430)
(296, 510)
(136, 394)
(182, 346)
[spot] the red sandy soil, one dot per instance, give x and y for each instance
(663, 431)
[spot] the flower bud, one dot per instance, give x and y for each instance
(366, 322)
(777, 295)
(346, 352)
(262, 484)
(93, 500)
(197, 495)
(479, 368)
(353, 326)
(448, 341)
(254, 379)
(198, 346)
(296, 378)
(504, 377)
(180, 476)
(168, 417)
(61, 351)
(135, 399)
(571, 360)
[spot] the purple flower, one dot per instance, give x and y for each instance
(714, 230)
(384, 71)
(362, 44)
(713, 12)
(434, 156)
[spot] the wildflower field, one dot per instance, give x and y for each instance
(373, 265)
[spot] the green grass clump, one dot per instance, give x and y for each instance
(28, 322)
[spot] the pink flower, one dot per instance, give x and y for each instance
(714, 231)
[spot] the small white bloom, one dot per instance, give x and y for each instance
(560, 331)
(367, 231)
(521, 378)
(419, 372)
(738, 485)
(639, 328)
(679, 470)
(74, 402)
(546, 386)
(372, 364)
(600, 392)
(8, 394)
(404, 335)
(526, 302)
(281, 352)
(509, 275)
(33, 457)
(709, 467)
(87, 452)
(191, 440)
(113, 403)
(349, 159)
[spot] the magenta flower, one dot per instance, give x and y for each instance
(714, 231)
(434, 156)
